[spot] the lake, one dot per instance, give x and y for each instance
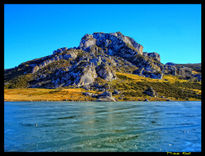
(102, 126)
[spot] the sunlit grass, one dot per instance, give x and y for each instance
(38, 94)
(131, 88)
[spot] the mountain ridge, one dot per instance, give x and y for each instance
(98, 57)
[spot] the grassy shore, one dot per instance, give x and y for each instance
(37, 94)
(130, 86)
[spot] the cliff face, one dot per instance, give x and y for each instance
(98, 56)
(112, 44)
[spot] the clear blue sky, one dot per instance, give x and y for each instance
(33, 31)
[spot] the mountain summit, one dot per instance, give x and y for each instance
(97, 59)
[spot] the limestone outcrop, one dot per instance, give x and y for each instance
(99, 56)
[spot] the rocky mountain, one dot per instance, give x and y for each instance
(93, 64)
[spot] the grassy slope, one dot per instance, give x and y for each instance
(170, 87)
(38, 94)
(131, 88)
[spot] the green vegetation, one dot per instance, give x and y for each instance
(21, 81)
(195, 66)
(132, 87)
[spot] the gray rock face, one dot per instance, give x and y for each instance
(184, 72)
(114, 42)
(154, 55)
(87, 41)
(60, 50)
(148, 65)
(106, 72)
(170, 69)
(87, 76)
(98, 57)
(148, 73)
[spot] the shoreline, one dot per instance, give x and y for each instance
(74, 95)
(94, 101)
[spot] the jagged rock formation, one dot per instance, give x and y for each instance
(99, 55)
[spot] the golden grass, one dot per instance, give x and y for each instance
(75, 94)
(37, 94)
(137, 78)
(132, 76)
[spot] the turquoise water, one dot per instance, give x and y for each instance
(102, 126)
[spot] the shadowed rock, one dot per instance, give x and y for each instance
(150, 91)
(106, 96)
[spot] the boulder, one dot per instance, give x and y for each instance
(106, 99)
(88, 94)
(150, 91)
(146, 100)
(106, 96)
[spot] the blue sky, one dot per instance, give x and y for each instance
(36, 30)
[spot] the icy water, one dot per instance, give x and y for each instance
(102, 126)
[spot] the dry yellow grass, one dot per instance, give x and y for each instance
(75, 94)
(132, 76)
(195, 72)
(170, 78)
(37, 94)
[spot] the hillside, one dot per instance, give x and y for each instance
(105, 66)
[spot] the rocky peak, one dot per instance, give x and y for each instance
(98, 57)
(112, 43)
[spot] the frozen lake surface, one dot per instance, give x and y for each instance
(102, 126)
